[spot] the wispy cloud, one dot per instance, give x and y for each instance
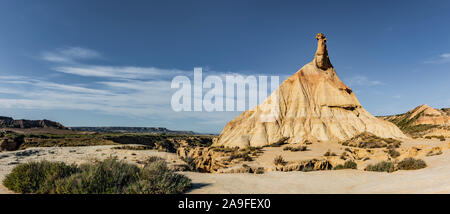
(70, 55)
(126, 72)
(360, 80)
(441, 59)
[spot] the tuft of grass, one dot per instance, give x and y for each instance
(105, 177)
(393, 153)
(259, 170)
(133, 147)
(411, 164)
(243, 155)
(279, 160)
(383, 166)
(347, 165)
(295, 149)
(329, 153)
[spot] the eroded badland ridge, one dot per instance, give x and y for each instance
(313, 105)
(423, 121)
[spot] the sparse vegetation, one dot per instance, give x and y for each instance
(384, 166)
(190, 161)
(411, 164)
(347, 165)
(108, 176)
(295, 149)
(279, 143)
(369, 140)
(244, 155)
(259, 170)
(329, 153)
(133, 147)
(393, 153)
(279, 160)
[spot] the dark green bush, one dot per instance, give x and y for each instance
(347, 165)
(108, 176)
(329, 153)
(393, 153)
(384, 166)
(411, 164)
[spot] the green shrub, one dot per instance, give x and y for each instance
(393, 153)
(347, 165)
(384, 166)
(108, 176)
(190, 161)
(411, 164)
(37, 177)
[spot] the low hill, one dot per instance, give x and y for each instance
(423, 121)
(8, 122)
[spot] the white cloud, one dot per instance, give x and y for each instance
(360, 80)
(441, 59)
(70, 55)
(125, 72)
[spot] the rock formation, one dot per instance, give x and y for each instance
(312, 105)
(8, 122)
(423, 121)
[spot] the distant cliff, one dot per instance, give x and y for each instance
(8, 122)
(119, 129)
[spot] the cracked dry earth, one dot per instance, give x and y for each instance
(432, 179)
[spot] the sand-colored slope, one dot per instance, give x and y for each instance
(433, 179)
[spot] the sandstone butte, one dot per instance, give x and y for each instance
(312, 105)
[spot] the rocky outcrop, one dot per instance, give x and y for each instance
(307, 165)
(312, 105)
(423, 121)
(8, 122)
(11, 143)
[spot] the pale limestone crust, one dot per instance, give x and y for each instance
(314, 105)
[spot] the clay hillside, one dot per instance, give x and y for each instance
(312, 105)
(423, 121)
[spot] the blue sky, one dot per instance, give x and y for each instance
(110, 63)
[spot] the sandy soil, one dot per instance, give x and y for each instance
(433, 179)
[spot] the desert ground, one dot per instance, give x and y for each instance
(432, 179)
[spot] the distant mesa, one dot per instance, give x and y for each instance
(121, 129)
(48, 126)
(423, 121)
(8, 122)
(313, 105)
